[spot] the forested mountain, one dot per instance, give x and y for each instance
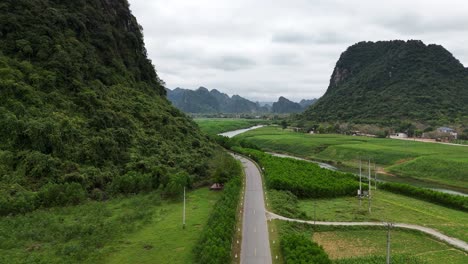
(285, 106)
(204, 101)
(82, 110)
(394, 80)
(306, 103)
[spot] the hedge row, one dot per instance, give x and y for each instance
(445, 199)
(214, 245)
(297, 248)
(303, 179)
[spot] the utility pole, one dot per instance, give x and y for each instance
(183, 219)
(315, 210)
(375, 175)
(369, 187)
(389, 225)
(360, 185)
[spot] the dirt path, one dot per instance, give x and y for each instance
(449, 240)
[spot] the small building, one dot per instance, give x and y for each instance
(399, 135)
(448, 130)
(217, 187)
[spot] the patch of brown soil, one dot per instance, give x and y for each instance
(338, 247)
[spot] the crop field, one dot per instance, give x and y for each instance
(440, 164)
(139, 229)
(219, 125)
(360, 244)
(390, 207)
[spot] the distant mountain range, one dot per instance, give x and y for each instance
(394, 80)
(203, 101)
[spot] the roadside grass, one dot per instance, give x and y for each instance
(348, 245)
(390, 207)
(215, 126)
(164, 240)
(141, 228)
(437, 163)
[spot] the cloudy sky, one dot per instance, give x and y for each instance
(262, 49)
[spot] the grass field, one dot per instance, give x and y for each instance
(142, 228)
(219, 125)
(439, 164)
(343, 244)
(390, 207)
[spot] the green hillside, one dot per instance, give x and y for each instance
(395, 80)
(82, 110)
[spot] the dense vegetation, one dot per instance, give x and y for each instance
(445, 199)
(82, 110)
(298, 249)
(141, 228)
(286, 106)
(437, 164)
(388, 81)
(214, 245)
(303, 179)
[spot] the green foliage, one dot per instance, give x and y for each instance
(214, 245)
(445, 199)
(297, 248)
(61, 194)
(73, 234)
(81, 104)
(436, 164)
(303, 179)
(286, 204)
(387, 81)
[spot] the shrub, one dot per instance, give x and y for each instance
(297, 248)
(53, 194)
(445, 199)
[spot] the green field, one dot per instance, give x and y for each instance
(138, 229)
(219, 125)
(345, 244)
(437, 164)
(390, 207)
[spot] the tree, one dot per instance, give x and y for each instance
(284, 124)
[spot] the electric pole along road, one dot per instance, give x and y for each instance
(255, 248)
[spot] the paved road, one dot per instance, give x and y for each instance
(255, 248)
(450, 240)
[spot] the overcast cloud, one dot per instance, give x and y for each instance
(263, 49)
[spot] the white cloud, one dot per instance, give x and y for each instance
(263, 49)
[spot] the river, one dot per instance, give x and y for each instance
(234, 133)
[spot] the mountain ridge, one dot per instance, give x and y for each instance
(203, 100)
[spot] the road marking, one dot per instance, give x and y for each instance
(255, 251)
(255, 229)
(254, 211)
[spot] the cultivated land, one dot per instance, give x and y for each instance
(220, 125)
(436, 164)
(389, 207)
(139, 229)
(343, 244)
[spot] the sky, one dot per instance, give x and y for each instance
(264, 49)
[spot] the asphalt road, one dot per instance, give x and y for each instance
(449, 240)
(255, 247)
